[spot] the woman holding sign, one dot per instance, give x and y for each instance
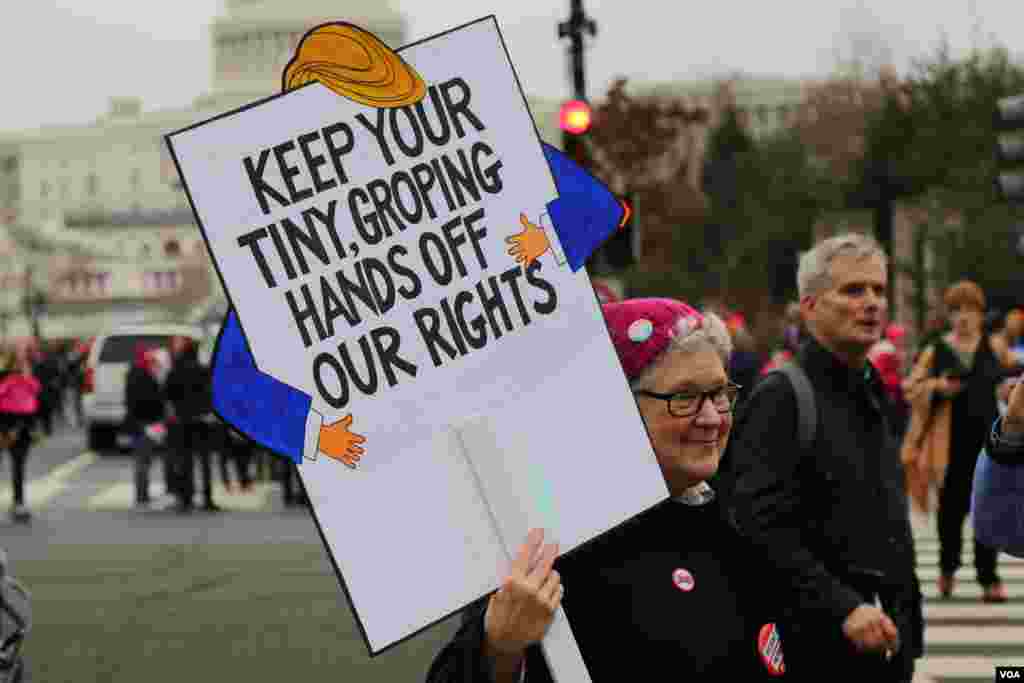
(675, 586)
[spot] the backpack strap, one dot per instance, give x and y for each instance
(806, 409)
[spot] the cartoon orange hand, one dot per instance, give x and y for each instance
(336, 441)
(528, 245)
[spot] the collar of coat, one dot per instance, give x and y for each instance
(818, 360)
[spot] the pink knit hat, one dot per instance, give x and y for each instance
(641, 329)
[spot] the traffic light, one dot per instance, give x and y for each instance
(1010, 146)
(574, 118)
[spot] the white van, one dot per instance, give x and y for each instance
(107, 368)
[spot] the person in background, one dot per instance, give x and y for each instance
(188, 390)
(292, 490)
(745, 362)
(233, 448)
(887, 357)
(794, 332)
(1012, 334)
(144, 421)
(967, 365)
(674, 590)
(46, 368)
(936, 326)
(19, 410)
(843, 570)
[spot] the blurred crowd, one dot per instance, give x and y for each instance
(169, 421)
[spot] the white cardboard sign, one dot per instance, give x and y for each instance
(436, 332)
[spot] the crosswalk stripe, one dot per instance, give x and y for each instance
(121, 496)
(966, 639)
(42, 490)
(109, 485)
(1009, 573)
(968, 668)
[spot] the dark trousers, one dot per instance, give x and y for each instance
(47, 406)
(19, 454)
(954, 504)
(238, 453)
(291, 483)
(191, 442)
(145, 450)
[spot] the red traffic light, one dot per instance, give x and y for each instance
(575, 117)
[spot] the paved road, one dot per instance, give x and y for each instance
(77, 496)
(965, 639)
(122, 594)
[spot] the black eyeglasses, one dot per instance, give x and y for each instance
(689, 403)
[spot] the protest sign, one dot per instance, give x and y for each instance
(365, 249)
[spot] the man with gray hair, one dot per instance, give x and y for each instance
(831, 515)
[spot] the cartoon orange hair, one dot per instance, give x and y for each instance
(355, 64)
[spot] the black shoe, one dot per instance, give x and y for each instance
(183, 508)
(212, 507)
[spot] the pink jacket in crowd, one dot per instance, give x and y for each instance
(19, 394)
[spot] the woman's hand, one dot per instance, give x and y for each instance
(948, 386)
(519, 614)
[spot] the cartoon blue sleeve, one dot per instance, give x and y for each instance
(585, 214)
(266, 410)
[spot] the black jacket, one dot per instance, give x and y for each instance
(627, 614)
(833, 521)
(143, 399)
(188, 388)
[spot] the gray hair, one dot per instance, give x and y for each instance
(815, 276)
(711, 334)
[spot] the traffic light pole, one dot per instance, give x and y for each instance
(574, 28)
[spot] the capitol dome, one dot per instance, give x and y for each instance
(253, 42)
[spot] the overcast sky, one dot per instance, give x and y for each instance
(63, 58)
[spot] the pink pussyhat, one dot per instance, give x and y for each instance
(642, 328)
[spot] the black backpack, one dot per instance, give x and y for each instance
(806, 408)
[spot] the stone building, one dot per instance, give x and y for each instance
(95, 227)
(93, 221)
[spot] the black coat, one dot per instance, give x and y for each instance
(188, 388)
(624, 607)
(833, 521)
(143, 399)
